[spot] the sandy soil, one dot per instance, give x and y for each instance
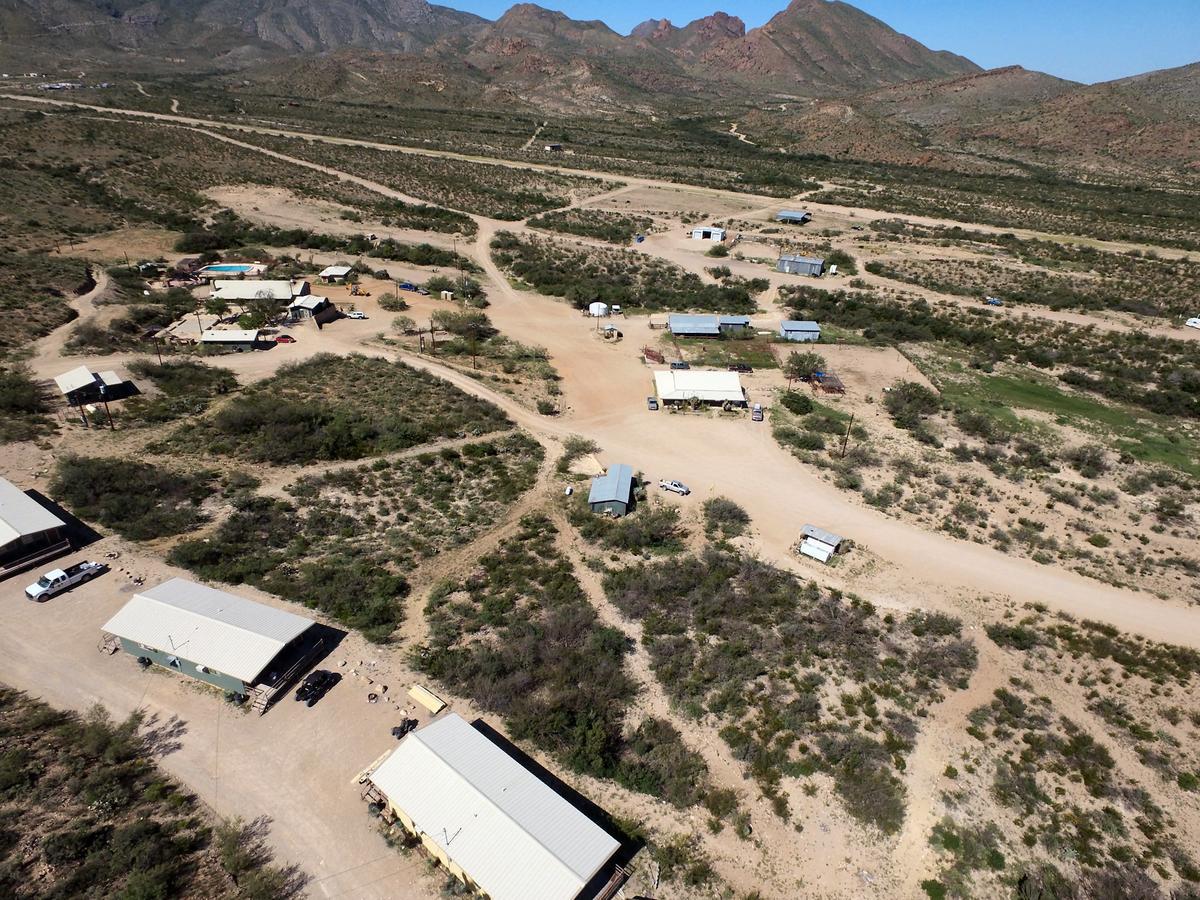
(297, 765)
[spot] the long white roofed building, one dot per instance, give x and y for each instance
(491, 821)
(685, 385)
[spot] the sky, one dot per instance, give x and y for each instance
(1084, 40)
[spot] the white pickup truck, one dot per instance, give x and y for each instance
(58, 580)
(677, 487)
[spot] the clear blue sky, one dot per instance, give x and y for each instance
(1085, 40)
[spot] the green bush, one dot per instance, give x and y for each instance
(725, 518)
(138, 500)
(795, 402)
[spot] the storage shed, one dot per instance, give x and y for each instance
(682, 325)
(218, 638)
(801, 265)
(793, 330)
(597, 310)
(708, 233)
(685, 385)
(307, 307)
(29, 533)
(334, 274)
(819, 543)
(612, 492)
(489, 820)
(794, 216)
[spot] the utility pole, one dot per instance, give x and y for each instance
(158, 347)
(846, 436)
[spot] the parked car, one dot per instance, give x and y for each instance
(679, 364)
(677, 487)
(422, 292)
(284, 339)
(58, 580)
(1193, 323)
(316, 685)
(993, 301)
(651, 403)
(406, 286)
(741, 367)
(356, 314)
(756, 414)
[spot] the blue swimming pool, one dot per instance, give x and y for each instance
(231, 267)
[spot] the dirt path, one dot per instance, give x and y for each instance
(52, 345)
(174, 105)
(733, 129)
(943, 737)
(533, 137)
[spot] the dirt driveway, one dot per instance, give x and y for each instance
(298, 764)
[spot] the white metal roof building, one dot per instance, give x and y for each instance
(819, 543)
(793, 216)
(254, 288)
(22, 517)
(685, 325)
(332, 273)
(681, 385)
(229, 336)
(489, 817)
(212, 629)
(708, 233)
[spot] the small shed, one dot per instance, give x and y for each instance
(794, 216)
(597, 310)
(801, 265)
(554, 148)
(335, 274)
(708, 233)
(793, 330)
(819, 543)
(307, 307)
(612, 492)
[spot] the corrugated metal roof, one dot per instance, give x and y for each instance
(513, 836)
(308, 302)
(798, 325)
(230, 335)
(615, 484)
(335, 271)
(684, 384)
(679, 323)
(794, 214)
(75, 379)
(212, 628)
(250, 288)
(827, 537)
(811, 260)
(111, 378)
(21, 515)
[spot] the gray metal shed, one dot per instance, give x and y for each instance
(801, 265)
(794, 330)
(683, 325)
(793, 216)
(612, 492)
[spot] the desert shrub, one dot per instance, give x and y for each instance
(575, 447)
(139, 500)
(795, 402)
(1090, 460)
(909, 403)
(22, 405)
(393, 302)
(616, 228)
(645, 529)
(187, 386)
(843, 260)
(725, 518)
(339, 408)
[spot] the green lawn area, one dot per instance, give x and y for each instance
(755, 351)
(1148, 438)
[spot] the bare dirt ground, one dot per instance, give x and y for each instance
(284, 209)
(301, 773)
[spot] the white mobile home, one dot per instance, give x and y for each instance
(708, 233)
